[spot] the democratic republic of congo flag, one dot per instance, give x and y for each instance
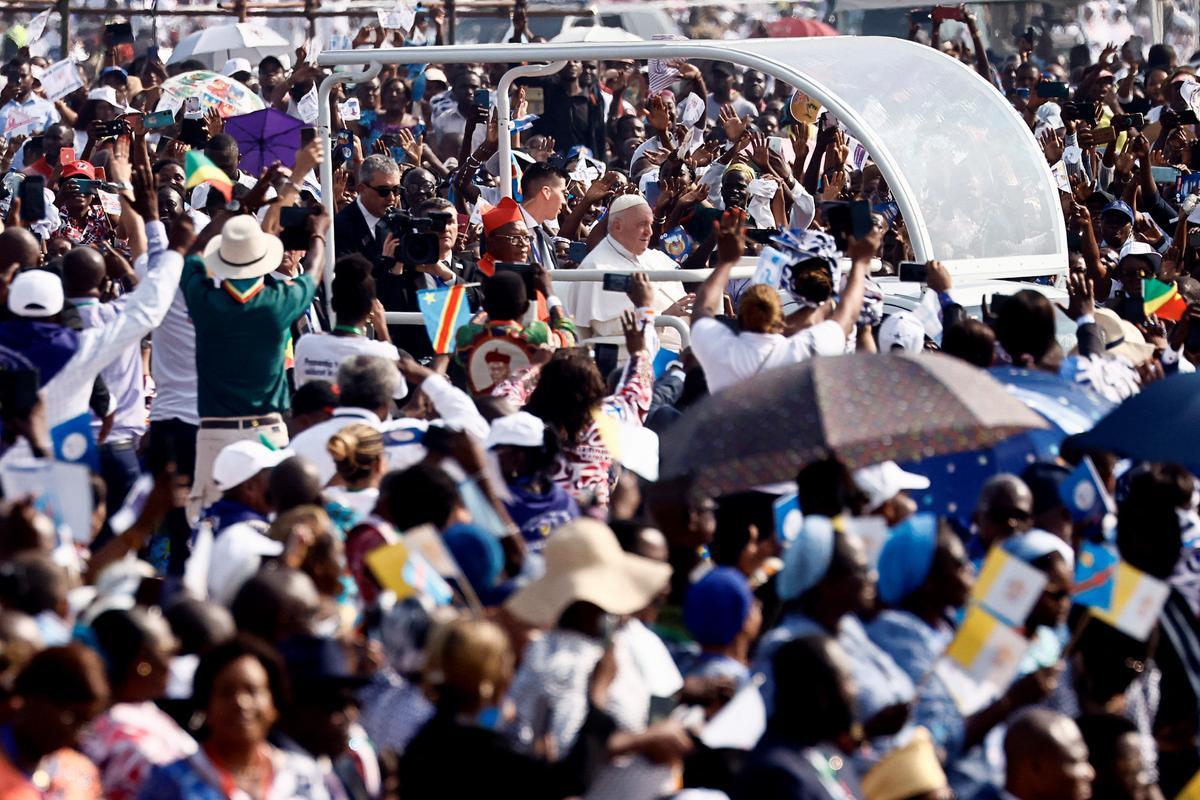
(445, 311)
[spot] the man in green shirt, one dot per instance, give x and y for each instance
(243, 315)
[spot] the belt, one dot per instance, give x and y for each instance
(242, 423)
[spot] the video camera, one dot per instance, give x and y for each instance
(418, 237)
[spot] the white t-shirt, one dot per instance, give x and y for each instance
(173, 360)
(318, 356)
(729, 357)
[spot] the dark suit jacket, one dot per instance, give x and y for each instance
(545, 244)
(351, 234)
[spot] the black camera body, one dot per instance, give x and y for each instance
(418, 237)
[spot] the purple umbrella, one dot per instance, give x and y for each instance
(265, 137)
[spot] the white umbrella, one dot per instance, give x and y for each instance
(215, 46)
(596, 34)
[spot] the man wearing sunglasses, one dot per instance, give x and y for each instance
(379, 190)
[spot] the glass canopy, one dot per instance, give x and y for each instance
(966, 172)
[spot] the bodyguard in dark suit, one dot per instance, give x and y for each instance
(543, 197)
(354, 228)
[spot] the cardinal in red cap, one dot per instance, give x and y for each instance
(505, 236)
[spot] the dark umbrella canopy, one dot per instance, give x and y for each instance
(863, 408)
(1161, 423)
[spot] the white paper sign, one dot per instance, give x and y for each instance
(350, 109)
(37, 26)
(20, 123)
(110, 202)
(60, 79)
(400, 18)
(691, 110)
(740, 724)
(308, 107)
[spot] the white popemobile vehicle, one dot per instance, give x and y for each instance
(966, 173)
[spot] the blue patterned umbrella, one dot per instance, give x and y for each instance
(955, 479)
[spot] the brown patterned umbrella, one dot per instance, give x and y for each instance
(864, 408)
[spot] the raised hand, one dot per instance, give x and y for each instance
(734, 126)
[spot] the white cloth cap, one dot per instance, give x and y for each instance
(241, 461)
(106, 94)
(517, 430)
(626, 202)
(901, 330)
(35, 293)
(882, 482)
(235, 65)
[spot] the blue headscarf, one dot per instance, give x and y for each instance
(907, 558)
(1035, 544)
(807, 558)
(717, 606)
(479, 556)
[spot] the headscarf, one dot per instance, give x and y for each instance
(807, 559)
(907, 558)
(1035, 544)
(717, 606)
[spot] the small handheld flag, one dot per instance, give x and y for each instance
(1008, 587)
(444, 311)
(987, 650)
(201, 170)
(406, 573)
(1163, 300)
(677, 244)
(1137, 601)
(1095, 576)
(1084, 494)
(788, 519)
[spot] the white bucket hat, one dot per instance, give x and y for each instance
(243, 250)
(585, 563)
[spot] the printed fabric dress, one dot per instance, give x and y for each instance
(585, 468)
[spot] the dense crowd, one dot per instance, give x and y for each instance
(259, 539)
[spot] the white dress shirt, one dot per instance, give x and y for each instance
(401, 437)
(728, 357)
(67, 393)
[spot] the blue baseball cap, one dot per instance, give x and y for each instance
(1120, 207)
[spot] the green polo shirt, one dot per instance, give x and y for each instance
(240, 347)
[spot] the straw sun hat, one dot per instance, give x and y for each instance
(584, 562)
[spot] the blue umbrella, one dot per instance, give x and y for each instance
(1161, 423)
(265, 137)
(955, 479)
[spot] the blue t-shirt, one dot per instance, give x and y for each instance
(538, 515)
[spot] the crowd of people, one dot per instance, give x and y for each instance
(325, 555)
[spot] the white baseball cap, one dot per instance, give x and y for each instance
(235, 65)
(882, 482)
(105, 94)
(521, 429)
(241, 461)
(901, 330)
(35, 293)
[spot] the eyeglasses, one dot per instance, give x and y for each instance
(386, 191)
(515, 238)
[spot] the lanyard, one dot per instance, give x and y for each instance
(827, 772)
(349, 329)
(229, 786)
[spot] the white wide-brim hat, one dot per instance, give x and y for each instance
(243, 250)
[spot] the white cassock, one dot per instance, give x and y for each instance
(600, 311)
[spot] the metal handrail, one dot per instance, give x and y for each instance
(674, 323)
